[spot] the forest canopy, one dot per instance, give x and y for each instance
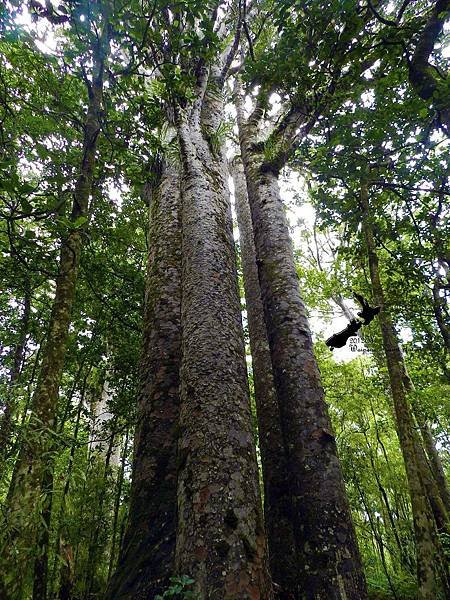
(195, 198)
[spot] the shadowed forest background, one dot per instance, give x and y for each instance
(191, 193)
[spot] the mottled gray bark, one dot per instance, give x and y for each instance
(329, 565)
(426, 552)
(220, 537)
(26, 500)
(146, 558)
(277, 509)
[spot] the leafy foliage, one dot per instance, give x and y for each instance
(332, 81)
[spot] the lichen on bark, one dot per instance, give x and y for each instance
(277, 508)
(220, 538)
(146, 559)
(329, 564)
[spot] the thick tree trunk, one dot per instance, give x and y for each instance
(423, 527)
(277, 510)
(220, 538)
(330, 566)
(35, 459)
(147, 555)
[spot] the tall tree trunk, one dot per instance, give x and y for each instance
(35, 458)
(423, 527)
(40, 572)
(146, 559)
(440, 304)
(100, 476)
(430, 484)
(434, 459)
(220, 538)
(117, 501)
(330, 565)
(440, 308)
(18, 357)
(277, 510)
(401, 543)
(59, 543)
(377, 536)
(429, 462)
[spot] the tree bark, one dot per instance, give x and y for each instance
(18, 357)
(423, 528)
(100, 474)
(434, 460)
(117, 502)
(277, 510)
(57, 567)
(40, 572)
(25, 500)
(430, 484)
(146, 558)
(440, 307)
(426, 81)
(429, 462)
(330, 565)
(220, 538)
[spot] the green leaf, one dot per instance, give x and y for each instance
(79, 222)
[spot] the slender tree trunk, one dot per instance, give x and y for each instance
(220, 538)
(68, 475)
(119, 485)
(430, 484)
(35, 458)
(330, 565)
(377, 536)
(277, 510)
(67, 571)
(429, 462)
(146, 559)
(101, 479)
(440, 310)
(403, 550)
(434, 459)
(18, 357)
(40, 573)
(424, 535)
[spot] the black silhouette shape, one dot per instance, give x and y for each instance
(367, 314)
(338, 340)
